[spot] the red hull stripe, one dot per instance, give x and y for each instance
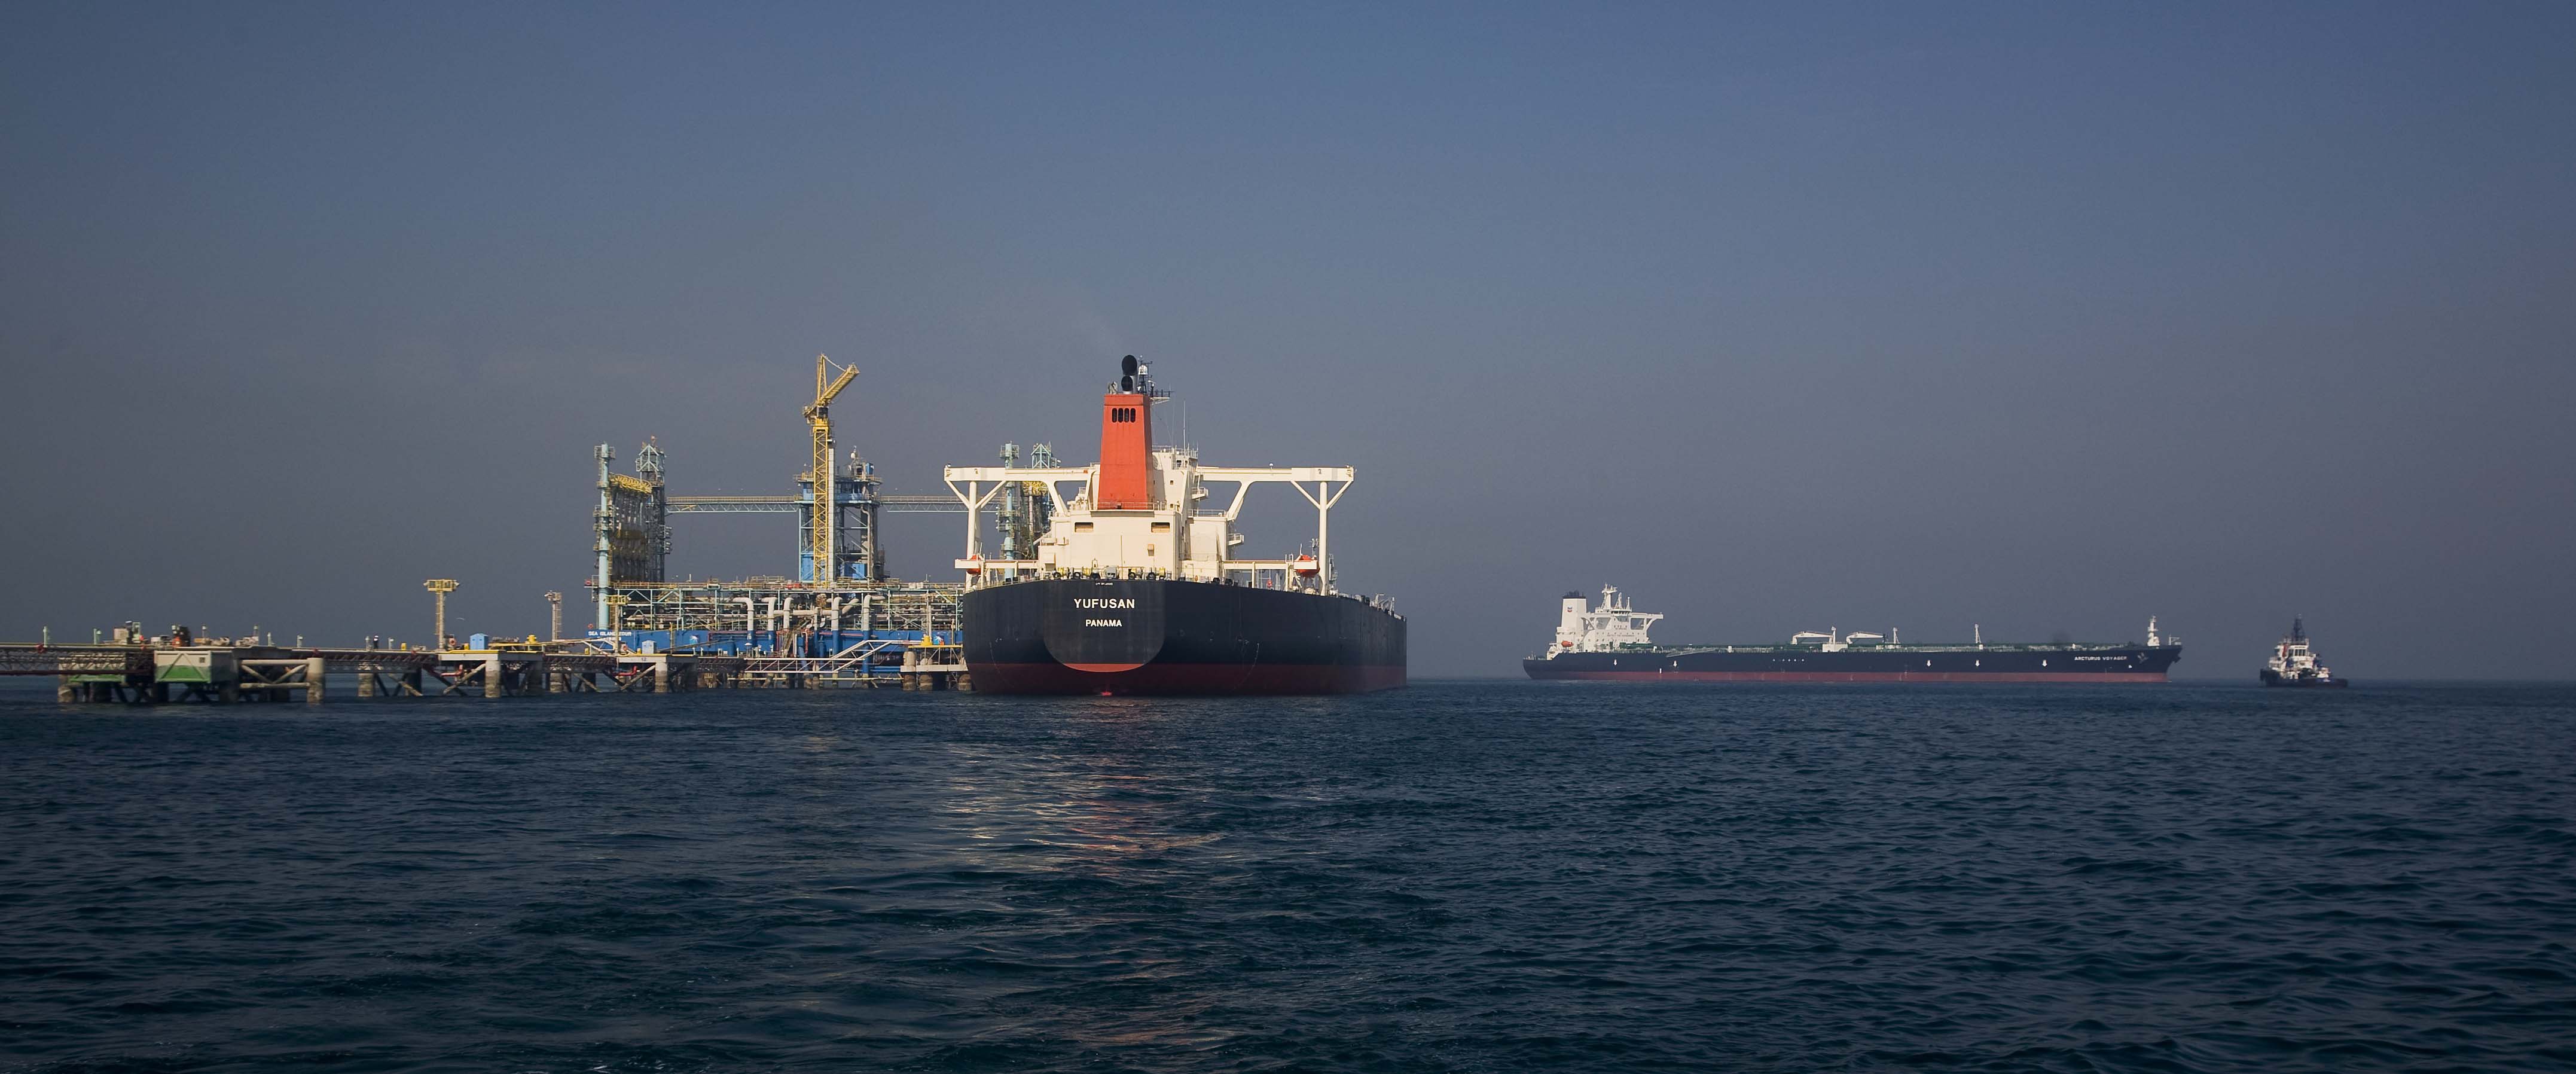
(1861, 676)
(1185, 679)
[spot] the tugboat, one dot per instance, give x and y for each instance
(2294, 664)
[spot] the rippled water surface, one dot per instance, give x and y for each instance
(1460, 876)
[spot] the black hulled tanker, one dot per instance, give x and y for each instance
(1609, 642)
(1130, 586)
(1899, 663)
(1167, 636)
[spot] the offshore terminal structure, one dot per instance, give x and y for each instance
(839, 621)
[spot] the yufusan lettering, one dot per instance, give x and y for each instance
(1104, 602)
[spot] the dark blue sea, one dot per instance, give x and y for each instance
(1454, 877)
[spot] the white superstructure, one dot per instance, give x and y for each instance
(1612, 625)
(2293, 661)
(1143, 511)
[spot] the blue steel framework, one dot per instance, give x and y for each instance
(856, 627)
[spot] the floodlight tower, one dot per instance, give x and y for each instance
(439, 588)
(554, 616)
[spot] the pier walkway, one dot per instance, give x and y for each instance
(147, 674)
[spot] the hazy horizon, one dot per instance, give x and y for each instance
(1867, 316)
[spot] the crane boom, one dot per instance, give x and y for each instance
(827, 507)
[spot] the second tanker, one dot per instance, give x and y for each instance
(1609, 642)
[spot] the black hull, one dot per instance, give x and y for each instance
(1160, 636)
(1890, 663)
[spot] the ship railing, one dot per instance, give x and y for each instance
(856, 660)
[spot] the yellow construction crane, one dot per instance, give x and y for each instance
(827, 509)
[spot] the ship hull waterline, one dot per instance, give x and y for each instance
(1172, 637)
(2274, 678)
(1852, 676)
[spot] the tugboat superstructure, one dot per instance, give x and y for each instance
(2294, 663)
(1608, 641)
(1134, 586)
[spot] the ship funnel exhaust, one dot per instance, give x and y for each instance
(1126, 443)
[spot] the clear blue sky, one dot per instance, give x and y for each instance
(1784, 317)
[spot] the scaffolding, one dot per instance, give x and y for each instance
(799, 635)
(1024, 507)
(630, 529)
(844, 536)
(765, 607)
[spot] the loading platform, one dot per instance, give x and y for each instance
(147, 674)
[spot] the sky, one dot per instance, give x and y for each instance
(2034, 319)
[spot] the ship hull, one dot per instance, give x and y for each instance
(1162, 636)
(2092, 664)
(2274, 678)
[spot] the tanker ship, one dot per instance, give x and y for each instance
(1118, 578)
(1609, 641)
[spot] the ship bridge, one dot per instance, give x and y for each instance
(1612, 625)
(1141, 511)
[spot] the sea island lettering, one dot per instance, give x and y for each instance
(1104, 602)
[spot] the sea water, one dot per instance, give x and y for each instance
(1459, 876)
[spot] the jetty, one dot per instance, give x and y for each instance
(145, 674)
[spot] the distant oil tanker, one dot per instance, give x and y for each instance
(1131, 585)
(1609, 642)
